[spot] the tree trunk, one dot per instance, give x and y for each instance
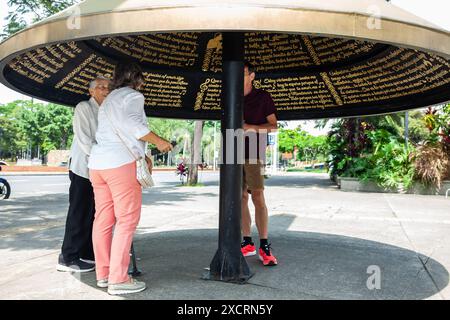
(196, 154)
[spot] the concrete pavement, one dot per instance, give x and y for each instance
(330, 245)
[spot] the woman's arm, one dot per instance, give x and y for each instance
(136, 118)
(162, 144)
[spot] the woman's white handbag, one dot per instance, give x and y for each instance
(143, 174)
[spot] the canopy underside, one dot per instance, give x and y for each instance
(307, 76)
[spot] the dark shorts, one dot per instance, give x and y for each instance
(253, 176)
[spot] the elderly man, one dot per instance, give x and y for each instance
(77, 254)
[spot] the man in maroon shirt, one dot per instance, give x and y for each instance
(259, 119)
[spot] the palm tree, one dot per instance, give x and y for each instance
(196, 154)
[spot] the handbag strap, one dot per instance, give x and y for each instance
(117, 133)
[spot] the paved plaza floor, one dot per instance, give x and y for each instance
(330, 244)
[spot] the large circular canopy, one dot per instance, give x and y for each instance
(318, 59)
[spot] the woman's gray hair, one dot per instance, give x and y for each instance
(93, 83)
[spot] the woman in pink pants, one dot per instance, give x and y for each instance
(122, 136)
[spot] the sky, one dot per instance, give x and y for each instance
(436, 11)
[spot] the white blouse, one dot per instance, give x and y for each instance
(123, 109)
(84, 129)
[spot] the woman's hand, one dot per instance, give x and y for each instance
(164, 146)
(149, 164)
(160, 143)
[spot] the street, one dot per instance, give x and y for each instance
(32, 185)
(330, 244)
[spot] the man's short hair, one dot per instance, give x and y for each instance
(249, 66)
(93, 83)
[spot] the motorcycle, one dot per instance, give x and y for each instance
(5, 189)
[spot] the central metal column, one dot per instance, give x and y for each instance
(229, 264)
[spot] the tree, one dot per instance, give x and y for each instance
(40, 127)
(21, 12)
(173, 130)
(209, 138)
(309, 147)
(182, 131)
(10, 142)
(288, 139)
(15, 139)
(56, 127)
(196, 155)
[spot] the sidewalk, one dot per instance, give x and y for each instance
(330, 245)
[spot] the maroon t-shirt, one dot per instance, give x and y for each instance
(258, 105)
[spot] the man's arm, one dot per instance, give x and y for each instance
(270, 126)
(81, 128)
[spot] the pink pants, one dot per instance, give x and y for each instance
(118, 202)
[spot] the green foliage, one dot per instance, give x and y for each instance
(388, 162)
(12, 139)
(374, 148)
(347, 140)
(288, 139)
(438, 123)
(418, 133)
(309, 147)
(26, 124)
(56, 127)
(432, 158)
(10, 142)
(171, 129)
(34, 10)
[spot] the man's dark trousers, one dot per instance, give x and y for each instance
(80, 218)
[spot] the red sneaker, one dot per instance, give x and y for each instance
(266, 257)
(248, 249)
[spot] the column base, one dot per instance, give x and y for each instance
(228, 267)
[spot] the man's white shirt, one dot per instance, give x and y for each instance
(85, 124)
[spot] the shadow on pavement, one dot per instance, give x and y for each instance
(25, 211)
(171, 195)
(303, 180)
(311, 266)
(38, 222)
